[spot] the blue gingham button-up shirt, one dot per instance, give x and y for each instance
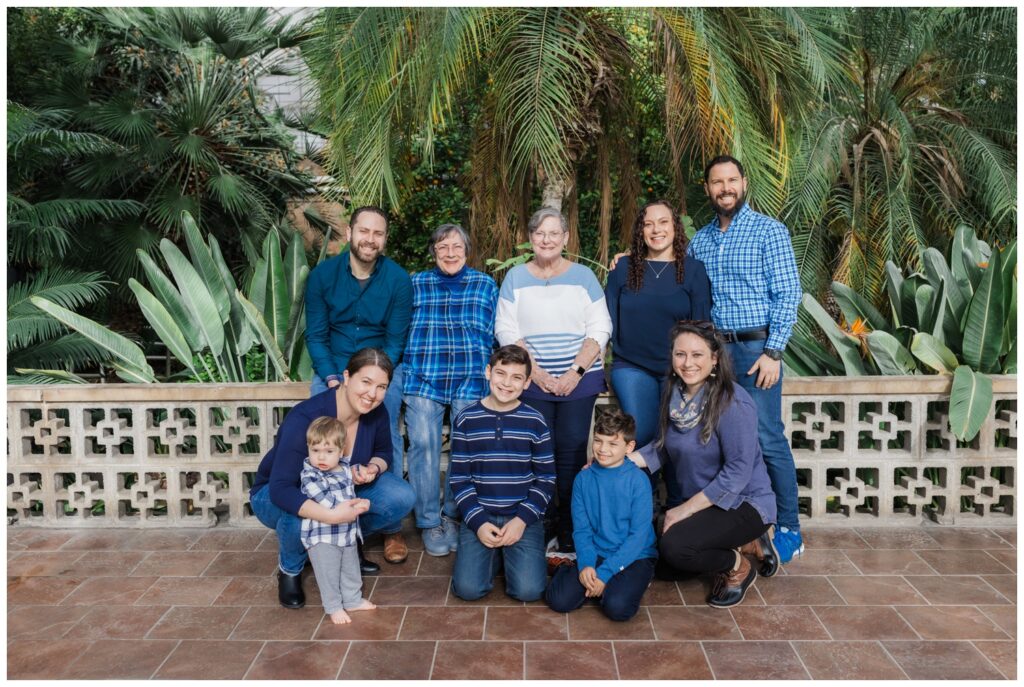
(451, 336)
(328, 489)
(754, 280)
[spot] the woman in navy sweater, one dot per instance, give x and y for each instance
(276, 497)
(708, 433)
(647, 293)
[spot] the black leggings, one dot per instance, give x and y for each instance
(704, 542)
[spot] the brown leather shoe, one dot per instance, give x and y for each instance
(730, 587)
(763, 550)
(395, 550)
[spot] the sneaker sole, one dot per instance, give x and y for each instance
(436, 555)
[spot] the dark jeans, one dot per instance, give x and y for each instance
(526, 569)
(569, 424)
(778, 457)
(704, 542)
(622, 593)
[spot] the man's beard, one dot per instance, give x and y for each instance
(366, 254)
(722, 212)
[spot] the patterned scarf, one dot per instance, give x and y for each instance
(685, 414)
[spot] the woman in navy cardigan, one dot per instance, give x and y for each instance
(276, 498)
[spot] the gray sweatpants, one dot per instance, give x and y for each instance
(337, 575)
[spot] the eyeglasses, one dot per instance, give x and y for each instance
(455, 249)
(549, 236)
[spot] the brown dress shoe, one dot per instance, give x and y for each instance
(395, 550)
(730, 587)
(763, 550)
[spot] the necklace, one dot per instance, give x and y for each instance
(658, 273)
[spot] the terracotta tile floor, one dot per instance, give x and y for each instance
(873, 603)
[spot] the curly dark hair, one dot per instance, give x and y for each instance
(638, 251)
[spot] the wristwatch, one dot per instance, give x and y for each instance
(773, 353)
(579, 369)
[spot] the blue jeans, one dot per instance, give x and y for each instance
(391, 499)
(639, 394)
(622, 593)
(526, 568)
(778, 457)
(393, 402)
(569, 424)
(423, 422)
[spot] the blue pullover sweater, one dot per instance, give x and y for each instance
(501, 463)
(611, 515)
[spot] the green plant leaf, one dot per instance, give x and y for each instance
(1010, 362)
(202, 260)
(908, 300)
(196, 297)
(34, 376)
(890, 355)
(970, 401)
(1009, 275)
(973, 269)
(938, 274)
(809, 355)
(258, 284)
(172, 300)
(294, 261)
(933, 353)
(855, 307)
(925, 302)
(132, 375)
(277, 303)
(163, 324)
(963, 240)
(846, 346)
(237, 324)
(270, 346)
(983, 330)
(120, 348)
(894, 284)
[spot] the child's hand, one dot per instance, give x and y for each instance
(489, 535)
(512, 531)
(590, 580)
(361, 505)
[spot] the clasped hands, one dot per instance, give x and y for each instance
(562, 385)
(591, 582)
(364, 474)
(492, 536)
(347, 511)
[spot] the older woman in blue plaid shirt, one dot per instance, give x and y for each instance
(450, 340)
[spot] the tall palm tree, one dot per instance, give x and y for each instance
(917, 139)
(553, 83)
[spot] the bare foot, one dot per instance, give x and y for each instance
(365, 606)
(340, 618)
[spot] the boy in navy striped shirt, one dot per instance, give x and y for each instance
(502, 477)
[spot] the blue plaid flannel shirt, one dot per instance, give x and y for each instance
(754, 280)
(328, 489)
(451, 336)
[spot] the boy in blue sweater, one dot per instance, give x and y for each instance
(611, 514)
(502, 478)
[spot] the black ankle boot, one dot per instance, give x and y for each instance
(289, 590)
(366, 567)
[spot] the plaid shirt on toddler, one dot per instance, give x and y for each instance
(328, 489)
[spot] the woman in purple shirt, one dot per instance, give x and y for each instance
(708, 433)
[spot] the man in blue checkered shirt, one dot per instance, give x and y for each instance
(755, 292)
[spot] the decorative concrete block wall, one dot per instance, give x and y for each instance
(869, 451)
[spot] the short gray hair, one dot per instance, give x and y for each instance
(442, 231)
(537, 218)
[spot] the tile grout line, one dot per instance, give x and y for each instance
(1013, 603)
(736, 624)
(1006, 567)
(707, 660)
(912, 628)
(483, 628)
(433, 660)
(918, 591)
(838, 593)
(253, 661)
(893, 658)
(998, 626)
(985, 656)
(650, 619)
(800, 658)
(344, 658)
(615, 660)
(401, 623)
(822, 623)
(171, 652)
(237, 622)
(162, 616)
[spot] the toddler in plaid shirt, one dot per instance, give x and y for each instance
(327, 480)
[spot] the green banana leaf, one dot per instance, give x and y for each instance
(969, 402)
(983, 330)
(890, 355)
(34, 376)
(133, 375)
(270, 347)
(908, 300)
(237, 324)
(811, 355)
(855, 306)
(1009, 261)
(122, 351)
(258, 284)
(938, 273)
(846, 346)
(205, 266)
(196, 296)
(163, 324)
(894, 284)
(933, 353)
(296, 332)
(1010, 329)
(963, 240)
(276, 303)
(171, 299)
(925, 302)
(294, 262)
(1010, 362)
(974, 270)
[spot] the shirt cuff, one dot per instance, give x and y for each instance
(777, 340)
(720, 497)
(332, 378)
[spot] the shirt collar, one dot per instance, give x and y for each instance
(738, 217)
(347, 262)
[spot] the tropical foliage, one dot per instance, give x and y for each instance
(153, 112)
(958, 317)
(205, 320)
